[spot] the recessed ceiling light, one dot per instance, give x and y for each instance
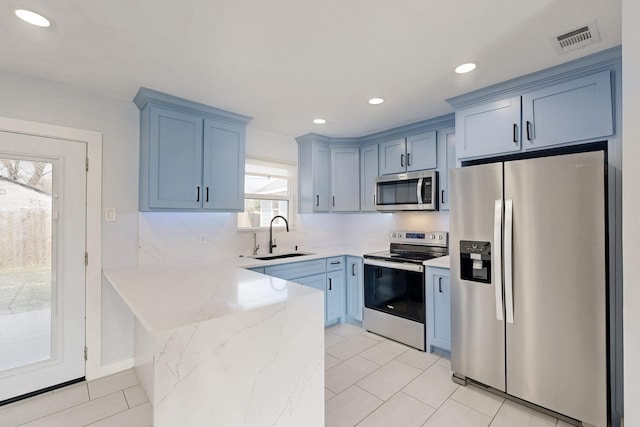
(319, 121)
(465, 68)
(32, 18)
(376, 101)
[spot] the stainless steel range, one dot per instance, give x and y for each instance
(394, 285)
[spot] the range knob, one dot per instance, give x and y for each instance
(393, 234)
(433, 237)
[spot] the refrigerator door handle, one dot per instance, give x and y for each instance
(497, 246)
(508, 259)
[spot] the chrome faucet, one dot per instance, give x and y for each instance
(272, 243)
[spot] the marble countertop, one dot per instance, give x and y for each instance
(442, 262)
(167, 297)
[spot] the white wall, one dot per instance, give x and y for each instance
(631, 207)
(117, 119)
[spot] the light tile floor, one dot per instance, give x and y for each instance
(370, 381)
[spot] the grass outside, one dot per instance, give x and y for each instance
(25, 289)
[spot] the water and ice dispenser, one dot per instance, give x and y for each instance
(475, 261)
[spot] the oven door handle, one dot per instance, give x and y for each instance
(418, 268)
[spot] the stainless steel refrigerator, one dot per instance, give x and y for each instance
(528, 281)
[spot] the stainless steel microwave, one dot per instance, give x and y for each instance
(413, 191)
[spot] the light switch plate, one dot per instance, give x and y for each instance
(110, 214)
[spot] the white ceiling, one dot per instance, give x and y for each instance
(285, 62)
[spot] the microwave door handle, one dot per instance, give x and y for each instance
(419, 190)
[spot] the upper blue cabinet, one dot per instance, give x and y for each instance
(573, 111)
(191, 155)
(413, 153)
(568, 104)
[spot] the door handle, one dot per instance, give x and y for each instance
(529, 130)
(508, 259)
(497, 248)
(515, 133)
(317, 200)
(207, 190)
(402, 160)
(198, 196)
(333, 201)
(329, 283)
(408, 159)
(440, 284)
(353, 269)
(442, 197)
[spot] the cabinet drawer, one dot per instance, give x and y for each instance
(335, 263)
(296, 269)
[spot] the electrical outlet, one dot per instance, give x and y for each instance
(203, 239)
(110, 214)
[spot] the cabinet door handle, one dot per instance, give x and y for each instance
(442, 197)
(207, 191)
(335, 262)
(440, 284)
(198, 197)
(333, 201)
(408, 159)
(374, 199)
(529, 130)
(317, 200)
(353, 269)
(329, 283)
(402, 160)
(515, 133)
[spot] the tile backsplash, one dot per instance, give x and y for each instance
(176, 237)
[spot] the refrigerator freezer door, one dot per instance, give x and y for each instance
(556, 345)
(477, 335)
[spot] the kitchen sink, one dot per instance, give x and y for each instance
(280, 256)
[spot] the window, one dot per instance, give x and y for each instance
(267, 193)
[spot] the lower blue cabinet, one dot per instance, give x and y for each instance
(438, 309)
(316, 281)
(355, 288)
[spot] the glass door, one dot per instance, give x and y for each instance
(42, 268)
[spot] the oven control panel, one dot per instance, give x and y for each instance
(431, 238)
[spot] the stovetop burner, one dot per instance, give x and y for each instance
(413, 247)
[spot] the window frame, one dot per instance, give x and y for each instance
(290, 198)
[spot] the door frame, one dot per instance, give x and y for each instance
(93, 271)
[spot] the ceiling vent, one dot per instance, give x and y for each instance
(578, 38)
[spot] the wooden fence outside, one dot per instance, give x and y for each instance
(25, 238)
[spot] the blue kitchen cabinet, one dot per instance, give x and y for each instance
(173, 172)
(223, 176)
(295, 270)
(413, 153)
(191, 155)
(368, 175)
(335, 290)
(573, 111)
(316, 281)
(314, 174)
(488, 129)
(422, 152)
(438, 309)
(345, 179)
(568, 112)
(392, 156)
(446, 161)
(355, 288)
